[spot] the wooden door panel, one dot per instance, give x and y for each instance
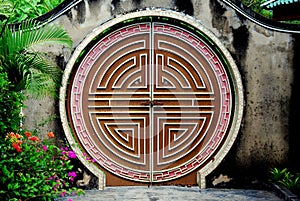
(117, 84)
(151, 102)
(187, 91)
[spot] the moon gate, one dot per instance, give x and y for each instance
(153, 97)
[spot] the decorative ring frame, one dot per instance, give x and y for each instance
(238, 103)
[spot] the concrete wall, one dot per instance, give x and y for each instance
(266, 60)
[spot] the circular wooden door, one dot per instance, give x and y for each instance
(150, 99)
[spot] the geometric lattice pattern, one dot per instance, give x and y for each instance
(151, 102)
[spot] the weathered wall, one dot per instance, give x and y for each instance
(265, 59)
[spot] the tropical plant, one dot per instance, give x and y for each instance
(5, 10)
(19, 10)
(26, 66)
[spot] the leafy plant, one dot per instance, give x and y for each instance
(5, 10)
(26, 67)
(11, 103)
(23, 66)
(285, 178)
(255, 6)
(35, 170)
(277, 174)
(14, 11)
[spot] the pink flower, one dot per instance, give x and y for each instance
(71, 154)
(18, 136)
(11, 134)
(62, 194)
(45, 147)
(72, 174)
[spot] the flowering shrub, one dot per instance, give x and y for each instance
(31, 169)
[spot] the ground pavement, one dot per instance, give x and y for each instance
(172, 193)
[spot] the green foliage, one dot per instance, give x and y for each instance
(255, 6)
(14, 11)
(285, 178)
(277, 174)
(253, 3)
(11, 103)
(35, 170)
(292, 21)
(266, 13)
(28, 68)
(5, 9)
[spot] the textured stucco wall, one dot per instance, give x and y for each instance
(265, 59)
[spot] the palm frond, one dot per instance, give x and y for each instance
(32, 34)
(27, 67)
(39, 62)
(6, 8)
(38, 85)
(30, 63)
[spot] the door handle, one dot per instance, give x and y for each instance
(146, 103)
(155, 102)
(151, 103)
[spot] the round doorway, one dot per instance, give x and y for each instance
(153, 97)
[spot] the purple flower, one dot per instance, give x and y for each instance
(45, 147)
(70, 200)
(71, 154)
(93, 160)
(72, 174)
